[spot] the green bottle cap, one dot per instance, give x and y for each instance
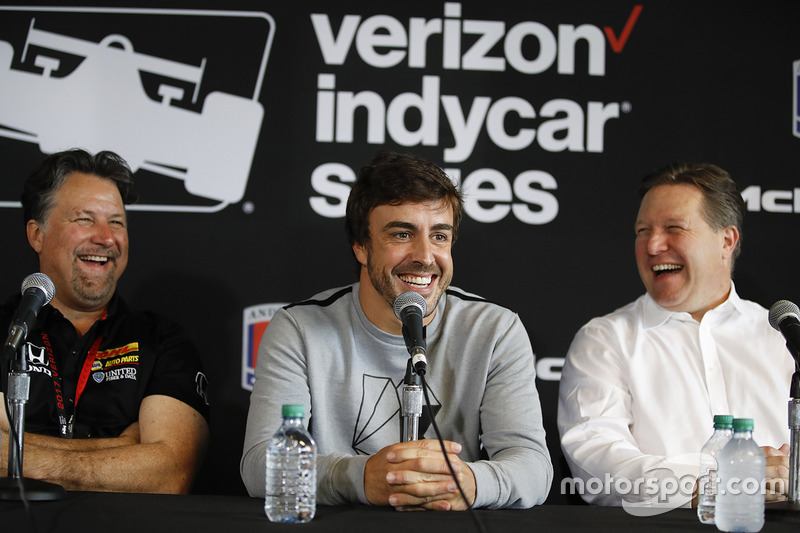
(293, 411)
(743, 424)
(723, 421)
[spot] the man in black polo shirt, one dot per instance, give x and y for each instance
(117, 400)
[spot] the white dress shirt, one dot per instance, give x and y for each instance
(640, 386)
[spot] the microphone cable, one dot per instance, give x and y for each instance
(478, 523)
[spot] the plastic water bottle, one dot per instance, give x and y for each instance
(742, 469)
(291, 486)
(707, 482)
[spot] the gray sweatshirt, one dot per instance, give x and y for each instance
(325, 354)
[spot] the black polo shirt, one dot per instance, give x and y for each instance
(124, 357)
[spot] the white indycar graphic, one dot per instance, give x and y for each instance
(102, 105)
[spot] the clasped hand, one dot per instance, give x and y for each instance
(414, 476)
(777, 472)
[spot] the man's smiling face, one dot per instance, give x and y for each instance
(684, 263)
(83, 246)
(409, 250)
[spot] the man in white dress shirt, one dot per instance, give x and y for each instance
(640, 386)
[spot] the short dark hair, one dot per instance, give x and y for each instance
(395, 179)
(723, 205)
(43, 183)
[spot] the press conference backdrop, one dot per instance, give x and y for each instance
(247, 121)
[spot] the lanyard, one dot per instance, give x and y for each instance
(65, 418)
(87, 368)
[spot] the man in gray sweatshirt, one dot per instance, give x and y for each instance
(341, 354)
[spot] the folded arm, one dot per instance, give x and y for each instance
(160, 453)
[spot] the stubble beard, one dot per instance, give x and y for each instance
(383, 283)
(94, 292)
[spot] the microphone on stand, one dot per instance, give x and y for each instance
(37, 291)
(410, 307)
(784, 316)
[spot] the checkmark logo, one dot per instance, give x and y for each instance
(618, 43)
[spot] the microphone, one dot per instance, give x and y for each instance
(785, 317)
(37, 291)
(410, 307)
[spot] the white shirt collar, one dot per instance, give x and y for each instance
(653, 315)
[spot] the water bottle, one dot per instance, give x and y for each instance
(291, 486)
(707, 482)
(742, 469)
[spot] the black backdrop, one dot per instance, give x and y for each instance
(569, 106)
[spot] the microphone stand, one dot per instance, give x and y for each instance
(794, 443)
(410, 405)
(15, 486)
